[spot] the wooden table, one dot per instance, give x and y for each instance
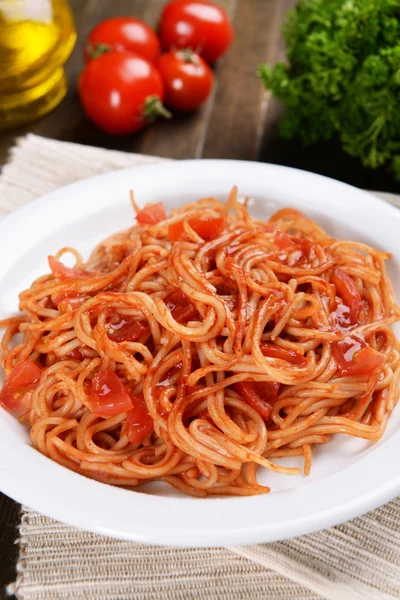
(239, 122)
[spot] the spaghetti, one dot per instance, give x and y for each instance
(194, 348)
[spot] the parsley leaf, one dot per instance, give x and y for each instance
(342, 77)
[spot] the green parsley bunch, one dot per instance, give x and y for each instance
(342, 77)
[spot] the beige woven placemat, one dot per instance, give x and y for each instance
(356, 561)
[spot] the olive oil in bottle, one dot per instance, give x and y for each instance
(36, 38)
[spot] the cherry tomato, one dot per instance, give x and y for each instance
(123, 33)
(24, 377)
(206, 228)
(121, 92)
(63, 272)
(151, 214)
(348, 292)
(127, 330)
(180, 307)
(138, 421)
(259, 395)
(187, 78)
(107, 396)
(275, 351)
(199, 25)
(354, 357)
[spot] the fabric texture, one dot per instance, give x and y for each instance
(355, 561)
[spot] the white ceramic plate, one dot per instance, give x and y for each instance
(349, 476)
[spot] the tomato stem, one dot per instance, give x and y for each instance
(98, 50)
(153, 108)
(187, 55)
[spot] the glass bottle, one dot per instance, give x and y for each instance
(36, 38)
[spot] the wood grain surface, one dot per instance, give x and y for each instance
(239, 121)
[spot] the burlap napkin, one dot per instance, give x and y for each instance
(358, 560)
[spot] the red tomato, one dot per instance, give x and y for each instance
(180, 307)
(107, 395)
(63, 272)
(354, 357)
(138, 421)
(24, 376)
(127, 330)
(151, 214)
(347, 290)
(206, 228)
(187, 78)
(121, 92)
(197, 24)
(274, 351)
(259, 395)
(123, 33)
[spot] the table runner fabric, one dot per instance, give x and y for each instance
(354, 561)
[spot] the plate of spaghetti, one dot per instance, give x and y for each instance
(201, 353)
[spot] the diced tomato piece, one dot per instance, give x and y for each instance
(138, 421)
(206, 228)
(63, 272)
(183, 315)
(107, 395)
(23, 378)
(175, 298)
(269, 227)
(65, 300)
(347, 290)
(129, 329)
(290, 243)
(307, 247)
(341, 314)
(275, 351)
(151, 214)
(176, 232)
(354, 357)
(284, 241)
(303, 249)
(75, 354)
(180, 307)
(259, 395)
